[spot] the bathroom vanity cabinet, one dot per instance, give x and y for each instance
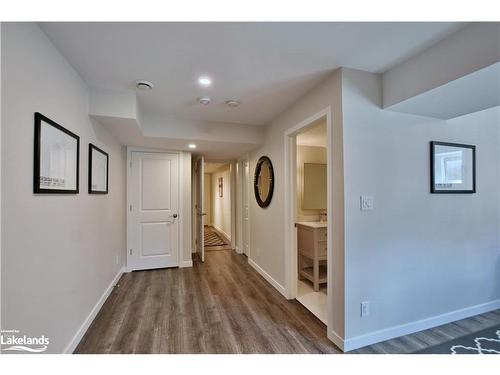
(312, 252)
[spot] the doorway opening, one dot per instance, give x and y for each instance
(218, 206)
(213, 192)
(308, 217)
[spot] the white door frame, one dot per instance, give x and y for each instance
(200, 212)
(193, 206)
(240, 202)
(249, 190)
(233, 204)
(180, 219)
(239, 208)
(290, 184)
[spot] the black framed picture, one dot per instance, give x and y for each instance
(453, 168)
(221, 187)
(56, 158)
(98, 170)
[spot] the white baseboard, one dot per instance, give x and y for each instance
(280, 288)
(336, 339)
(228, 237)
(420, 325)
(88, 321)
(186, 263)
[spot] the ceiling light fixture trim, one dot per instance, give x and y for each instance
(144, 85)
(205, 100)
(233, 103)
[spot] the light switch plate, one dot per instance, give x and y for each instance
(365, 308)
(366, 202)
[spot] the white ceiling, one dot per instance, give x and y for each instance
(267, 66)
(127, 132)
(471, 93)
(213, 167)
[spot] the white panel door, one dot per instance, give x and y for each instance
(153, 211)
(200, 206)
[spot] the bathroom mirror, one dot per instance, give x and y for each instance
(314, 187)
(264, 181)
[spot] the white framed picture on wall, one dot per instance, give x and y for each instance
(98, 170)
(56, 158)
(453, 168)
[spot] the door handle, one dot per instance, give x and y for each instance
(202, 214)
(175, 216)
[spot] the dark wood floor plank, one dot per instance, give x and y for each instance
(127, 335)
(149, 321)
(171, 339)
(101, 323)
(225, 306)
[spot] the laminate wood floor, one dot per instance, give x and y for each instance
(434, 336)
(225, 306)
(221, 306)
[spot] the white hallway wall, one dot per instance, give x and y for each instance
(208, 198)
(416, 255)
(221, 206)
(58, 251)
(267, 249)
(2, 307)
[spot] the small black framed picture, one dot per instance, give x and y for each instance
(221, 187)
(56, 158)
(453, 168)
(98, 170)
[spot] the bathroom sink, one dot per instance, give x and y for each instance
(313, 224)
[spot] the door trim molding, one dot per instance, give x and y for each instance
(290, 188)
(185, 263)
(130, 149)
(241, 181)
(233, 198)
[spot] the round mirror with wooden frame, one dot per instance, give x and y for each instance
(263, 183)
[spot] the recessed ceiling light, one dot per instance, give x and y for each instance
(233, 103)
(191, 145)
(205, 81)
(205, 100)
(144, 85)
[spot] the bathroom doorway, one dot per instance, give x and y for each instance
(311, 218)
(308, 224)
